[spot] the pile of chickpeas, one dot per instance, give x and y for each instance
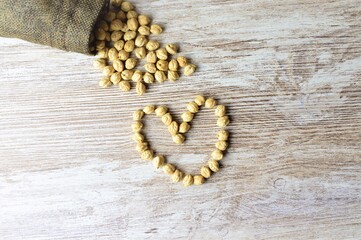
(122, 40)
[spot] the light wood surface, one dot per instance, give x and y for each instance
(289, 73)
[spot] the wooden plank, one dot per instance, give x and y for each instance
(289, 73)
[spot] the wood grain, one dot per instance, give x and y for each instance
(289, 73)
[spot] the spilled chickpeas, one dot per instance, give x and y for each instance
(122, 41)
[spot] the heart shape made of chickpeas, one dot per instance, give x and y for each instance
(177, 131)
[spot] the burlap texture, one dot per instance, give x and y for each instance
(65, 24)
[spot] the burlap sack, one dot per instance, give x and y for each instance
(64, 24)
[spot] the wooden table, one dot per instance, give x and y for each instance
(289, 73)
